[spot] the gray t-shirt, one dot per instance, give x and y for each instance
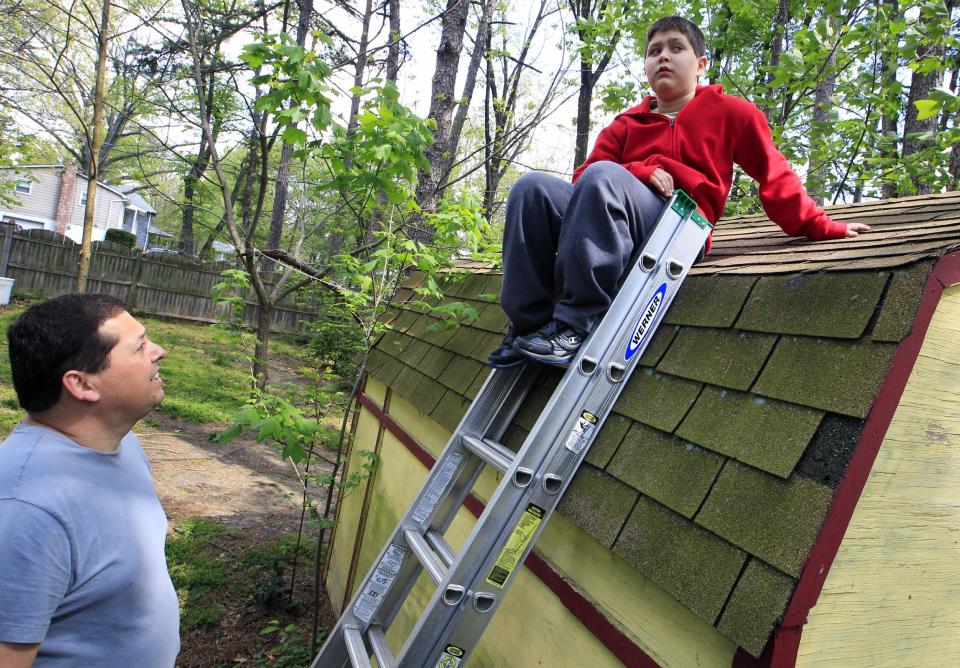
(82, 567)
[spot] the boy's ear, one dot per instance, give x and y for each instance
(77, 385)
(701, 65)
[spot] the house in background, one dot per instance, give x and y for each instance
(53, 197)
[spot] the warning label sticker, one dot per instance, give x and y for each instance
(451, 658)
(516, 545)
(580, 435)
(379, 583)
(437, 488)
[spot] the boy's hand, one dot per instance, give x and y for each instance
(854, 229)
(662, 182)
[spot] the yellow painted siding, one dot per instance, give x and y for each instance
(532, 626)
(892, 597)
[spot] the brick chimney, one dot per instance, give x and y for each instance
(68, 188)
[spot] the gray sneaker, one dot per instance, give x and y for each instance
(554, 343)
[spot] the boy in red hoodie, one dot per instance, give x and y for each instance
(567, 245)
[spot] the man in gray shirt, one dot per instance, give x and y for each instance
(83, 578)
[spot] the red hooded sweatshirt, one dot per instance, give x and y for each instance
(698, 149)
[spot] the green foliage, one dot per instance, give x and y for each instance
(10, 413)
(194, 573)
(292, 648)
(231, 293)
(121, 237)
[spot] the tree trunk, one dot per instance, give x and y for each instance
(94, 174)
(286, 153)
(921, 85)
(777, 44)
(393, 48)
(890, 143)
(442, 101)
(469, 85)
(589, 76)
(818, 163)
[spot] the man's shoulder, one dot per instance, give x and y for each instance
(714, 99)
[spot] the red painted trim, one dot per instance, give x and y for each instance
(781, 651)
(619, 644)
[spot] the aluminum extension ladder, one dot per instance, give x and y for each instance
(472, 583)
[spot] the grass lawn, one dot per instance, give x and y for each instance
(206, 378)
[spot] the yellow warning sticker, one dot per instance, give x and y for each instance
(516, 545)
(451, 658)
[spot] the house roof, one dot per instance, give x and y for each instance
(716, 469)
(134, 200)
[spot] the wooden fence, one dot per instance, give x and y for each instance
(44, 263)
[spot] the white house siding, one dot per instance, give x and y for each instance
(107, 213)
(41, 203)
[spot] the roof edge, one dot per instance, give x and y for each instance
(784, 644)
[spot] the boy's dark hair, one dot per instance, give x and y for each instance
(688, 29)
(51, 338)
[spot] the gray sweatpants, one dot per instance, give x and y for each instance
(566, 246)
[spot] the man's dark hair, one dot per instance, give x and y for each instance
(51, 338)
(688, 29)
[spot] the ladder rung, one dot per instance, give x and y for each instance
(441, 547)
(431, 563)
(353, 639)
(378, 641)
(490, 451)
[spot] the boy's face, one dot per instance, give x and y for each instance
(671, 65)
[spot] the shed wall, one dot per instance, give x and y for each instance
(890, 598)
(532, 627)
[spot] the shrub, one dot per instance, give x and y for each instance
(121, 237)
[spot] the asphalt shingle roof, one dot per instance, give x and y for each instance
(715, 469)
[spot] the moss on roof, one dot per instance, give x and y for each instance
(473, 343)
(838, 376)
(491, 317)
(435, 362)
(598, 503)
(830, 450)
(776, 520)
(709, 301)
(692, 565)
(450, 410)
(837, 305)
(675, 473)
(770, 435)
(608, 440)
(656, 399)
(901, 303)
(756, 606)
(724, 357)
(460, 373)
(658, 345)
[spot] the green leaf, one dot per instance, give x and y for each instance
(294, 135)
(926, 108)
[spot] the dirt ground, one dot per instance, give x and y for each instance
(246, 487)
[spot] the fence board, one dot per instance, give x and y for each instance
(44, 263)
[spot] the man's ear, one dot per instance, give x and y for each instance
(701, 66)
(77, 385)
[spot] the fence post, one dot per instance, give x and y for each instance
(134, 281)
(6, 232)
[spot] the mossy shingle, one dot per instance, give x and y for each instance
(450, 410)
(434, 362)
(436, 332)
(403, 320)
(531, 408)
(664, 467)
(656, 399)
(472, 342)
(477, 383)
(724, 357)
(384, 367)
(770, 435)
(658, 345)
(426, 394)
(490, 317)
(837, 376)
(692, 565)
(414, 352)
(755, 608)
(608, 440)
(900, 304)
(776, 520)
(598, 503)
(836, 304)
(460, 373)
(514, 437)
(394, 343)
(709, 301)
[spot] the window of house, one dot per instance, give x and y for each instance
(24, 186)
(83, 197)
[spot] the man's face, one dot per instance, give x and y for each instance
(672, 66)
(130, 385)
